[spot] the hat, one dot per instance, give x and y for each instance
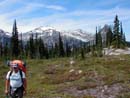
(14, 65)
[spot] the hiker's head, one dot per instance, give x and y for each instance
(14, 67)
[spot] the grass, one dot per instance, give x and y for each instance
(50, 78)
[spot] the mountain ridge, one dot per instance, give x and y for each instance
(50, 31)
(4, 36)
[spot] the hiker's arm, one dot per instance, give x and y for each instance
(7, 82)
(25, 83)
(6, 86)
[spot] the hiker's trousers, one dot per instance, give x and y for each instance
(18, 93)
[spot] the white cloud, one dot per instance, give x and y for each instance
(7, 2)
(23, 10)
(28, 8)
(7, 5)
(102, 3)
(55, 7)
(93, 17)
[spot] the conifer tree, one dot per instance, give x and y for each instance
(96, 37)
(56, 50)
(92, 47)
(61, 47)
(99, 46)
(15, 41)
(6, 51)
(88, 47)
(36, 45)
(27, 49)
(121, 31)
(76, 51)
(1, 49)
(41, 48)
(46, 52)
(109, 36)
(82, 53)
(68, 50)
(21, 46)
(122, 37)
(31, 47)
(51, 51)
(116, 33)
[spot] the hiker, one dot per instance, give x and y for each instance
(15, 82)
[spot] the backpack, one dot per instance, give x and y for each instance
(21, 65)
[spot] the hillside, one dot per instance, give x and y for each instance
(106, 77)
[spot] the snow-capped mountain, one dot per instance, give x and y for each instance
(4, 36)
(51, 36)
(79, 35)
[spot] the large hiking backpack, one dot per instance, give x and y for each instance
(21, 64)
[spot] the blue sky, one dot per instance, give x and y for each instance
(64, 14)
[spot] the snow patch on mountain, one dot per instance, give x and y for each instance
(80, 35)
(3, 33)
(4, 36)
(52, 32)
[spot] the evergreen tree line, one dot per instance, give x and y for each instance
(114, 38)
(35, 48)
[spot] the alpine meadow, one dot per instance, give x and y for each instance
(67, 49)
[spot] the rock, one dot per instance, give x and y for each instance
(80, 71)
(72, 70)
